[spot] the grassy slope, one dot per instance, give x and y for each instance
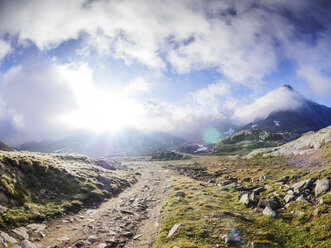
(5, 147)
(36, 186)
(207, 212)
(246, 140)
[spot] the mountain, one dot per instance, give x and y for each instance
(103, 145)
(5, 147)
(309, 116)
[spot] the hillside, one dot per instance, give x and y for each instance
(308, 143)
(247, 140)
(5, 147)
(39, 186)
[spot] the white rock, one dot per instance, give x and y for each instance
(245, 199)
(322, 186)
(269, 212)
(8, 238)
(28, 244)
(20, 233)
(297, 212)
(64, 238)
(173, 230)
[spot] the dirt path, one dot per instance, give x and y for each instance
(129, 220)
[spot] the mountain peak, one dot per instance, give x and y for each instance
(287, 86)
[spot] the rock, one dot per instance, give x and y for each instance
(8, 238)
(92, 238)
(264, 177)
(28, 244)
(104, 164)
(315, 212)
(245, 199)
(16, 246)
(36, 228)
(269, 212)
(180, 194)
(322, 186)
(230, 186)
(1, 240)
(302, 185)
(321, 202)
(297, 212)
(301, 199)
(176, 246)
(289, 197)
(258, 190)
(228, 239)
(63, 238)
(21, 233)
(173, 230)
(259, 245)
(102, 245)
(127, 234)
(272, 203)
(253, 198)
(80, 243)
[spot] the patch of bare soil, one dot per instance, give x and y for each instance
(130, 219)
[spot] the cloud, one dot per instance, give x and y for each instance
(5, 48)
(241, 39)
(320, 83)
(34, 96)
(281, 99)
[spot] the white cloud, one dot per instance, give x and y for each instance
(320, 83)
(189, 34)
(280, 99)
(5, 48)
(139, 84)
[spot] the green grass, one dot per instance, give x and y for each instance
(207, 212)
(43, 186)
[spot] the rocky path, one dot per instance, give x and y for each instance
(128, 220)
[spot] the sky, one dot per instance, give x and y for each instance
(156, 65)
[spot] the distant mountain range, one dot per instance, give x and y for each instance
(104, 145)
(276, 128)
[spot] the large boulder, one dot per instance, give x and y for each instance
(322, 186)
(269, 212)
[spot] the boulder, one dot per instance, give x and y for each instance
(302, 185)
(272, 203)
(297, 212)
(322, 186)
(245, 199)
(228, 239)
(8, 238)
(269, 212)
(20, 233)
(28, 244)
(289, 197)
(301, 199)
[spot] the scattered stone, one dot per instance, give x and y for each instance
(269, 212)
(228, 239)
(64, 238)
(127, 234)
(28, 244)
(315, 212)
(302, 185)
(176, 246)
(16, 246)
(297, 212)
(272, 203)
(258, 190)
(264, 177)
(102, 245)
(173, 230)
(36, 228)
(123, 211)
(180, 194)
(322, 186)
(21, 233)
(245, 199)
(230, 186)
(92, 238)
(8, 238)
(1, 240)
(301, 199)
(289, 197)
(253, 198)
(321, 202)
(137, 237)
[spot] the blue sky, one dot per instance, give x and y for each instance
(151, 64)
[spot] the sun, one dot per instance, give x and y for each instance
(98, 110)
